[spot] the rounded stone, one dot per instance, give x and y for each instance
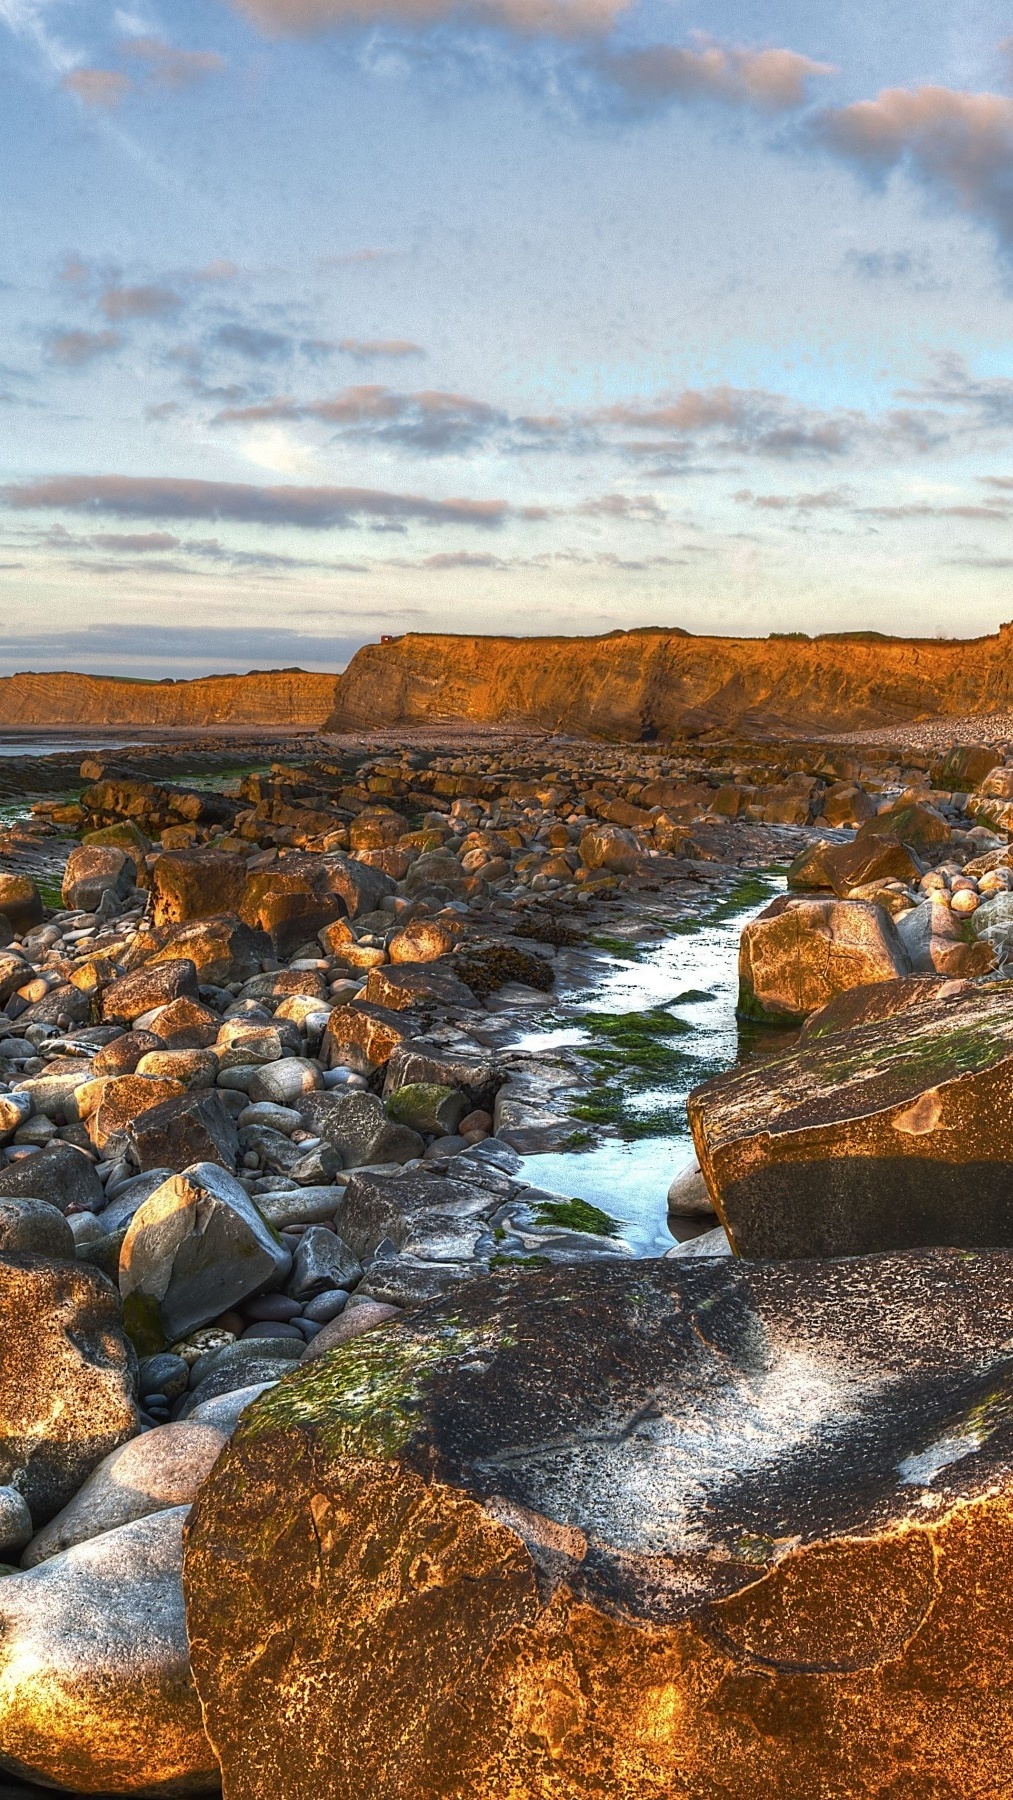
(15, 1521)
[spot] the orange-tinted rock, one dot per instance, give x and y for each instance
(222, 948)
(798, 954)
(842, 867)
(670, 1529)
(195, 884)
(895, 1134)
(878, 1000)
(119, 1101)
(363, 1037)
(154, 985)
(637, 684)
(919, 826)
(421, 940)
(610, 847)
(272, 697)
(847, 804)
(401, 985)
(20, 902)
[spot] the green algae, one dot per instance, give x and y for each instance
(364, 1398)
(577, 1215)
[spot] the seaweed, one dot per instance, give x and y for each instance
(577, 1215)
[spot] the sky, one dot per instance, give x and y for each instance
(321, 319)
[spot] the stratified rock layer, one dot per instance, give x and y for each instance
(636, 684)
(895, 1134)
(692, 1529)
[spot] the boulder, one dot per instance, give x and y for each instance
(66, 1378)
(222, 948)
(403, 985)
(363, 1037)
(34, 1228)
(283, 1082)
(147, 988)
(94, 870)
(992, 924)
(436, 869)
(876, 1000)
(964, 766)
(123, 1100)
(60, 1174)
(910, 822)
(186, 1024)
(610, 847)
(122, 1056)
(291, 905)
(359, 886)
(898, 1134)
(937, 941)
(14, 972)
(842, 867)
(20, 902)
(669, 1528)
(433, 1217)
(321, 1261)
(358, 1128)
(193, 1127)
(196, 1247)
(195, 884)
(96, 1693)
(420, 1061)
(798, 954)
(427, 1107)
(847, 804)
(162, 1468)
(421, 940)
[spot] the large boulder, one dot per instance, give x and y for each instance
(196, 1247)
(877, 1000)
(160, 1469)
(193, 1127)
(94, 870)
(896, 1134)
(60, 1174)
(911, 822)
(798, 954)
(148, 988)
(222, 948)
(67, 1378)
(610, 847)
(290, 903)
(363, 1037)
(357, 1127)
(195, 884)
(34, 1228)
(676, 1528)
(399, 986)
(96, 1693)
(842, 867)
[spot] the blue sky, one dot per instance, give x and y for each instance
(324, 318)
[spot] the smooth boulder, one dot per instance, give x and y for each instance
(682, 1528)
(96, 1693)
(162, 1468)
(798, 954)
(894, 1134)
(196, 1247)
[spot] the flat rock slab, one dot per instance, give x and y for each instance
(896, 1134)
(685, 1528)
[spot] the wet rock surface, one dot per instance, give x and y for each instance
(565, 1534)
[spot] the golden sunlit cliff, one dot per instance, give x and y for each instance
(640, 684)
(276, 697)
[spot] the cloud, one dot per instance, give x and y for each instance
(367, 349)
(139, 303)
(432, 423)
(97, 87)
(641, 508)
(154, 650)
(135, 541)
(219, 270)
(771, 80)
(903, 267)
(827, 500)
(253, 343)
(556, 18)
(170, 68)
(309, 508)
(75, 349)
(742, 420)
(959, 145)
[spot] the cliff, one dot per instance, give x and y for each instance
(286, 697)
(640, 684)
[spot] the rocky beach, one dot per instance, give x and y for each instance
(696, 1455)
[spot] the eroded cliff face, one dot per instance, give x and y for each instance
(276, 697)
(634, 685)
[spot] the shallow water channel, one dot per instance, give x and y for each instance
(693, 979)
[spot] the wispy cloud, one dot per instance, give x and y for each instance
(373, 349)
(557, 18)
(168, 67)
(103, 88)
(149, 302)
(774, 80)
(309, 508)
(76, 349)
